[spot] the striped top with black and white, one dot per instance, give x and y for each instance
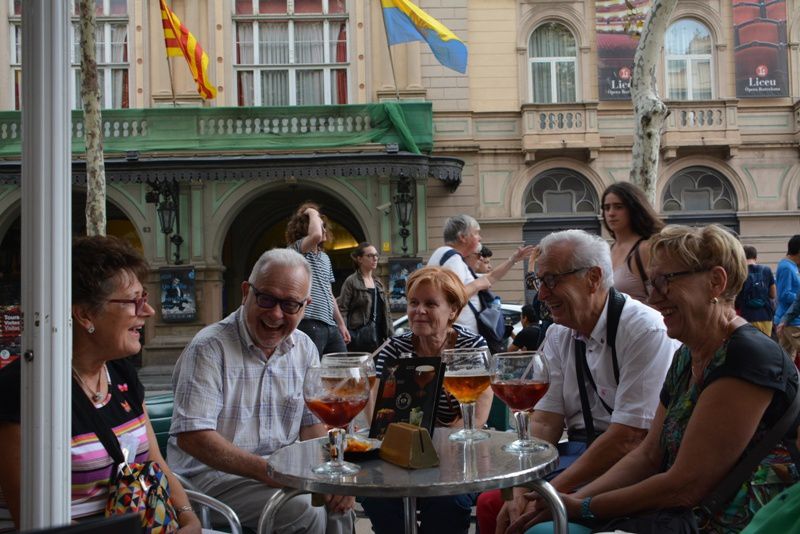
(401, 346)
(321, 307)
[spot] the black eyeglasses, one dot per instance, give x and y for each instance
(660, 283)
(138, 302)
(267, 301)
(372, 256)
(550, 280)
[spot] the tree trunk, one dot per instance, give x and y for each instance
(648, 108)
(93, 122)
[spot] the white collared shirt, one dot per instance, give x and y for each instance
(644, 353)
(223, 382)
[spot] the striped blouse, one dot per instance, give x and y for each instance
(91, 464)
(402, 347)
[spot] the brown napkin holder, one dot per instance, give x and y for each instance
(408, 446)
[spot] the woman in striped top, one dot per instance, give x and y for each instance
(435, 298)
(108, 311)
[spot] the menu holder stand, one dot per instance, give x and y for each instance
(408, 393)
(408, 446)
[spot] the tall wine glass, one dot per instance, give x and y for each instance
(336, 395)
(351, 359)
(465, 378)
(520, 379)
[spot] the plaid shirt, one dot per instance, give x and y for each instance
(223, 382)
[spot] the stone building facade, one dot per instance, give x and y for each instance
(531, 121)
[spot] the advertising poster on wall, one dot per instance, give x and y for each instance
(618, 23)
(399, 269)
(178, 303)
(10, 334)
(760, 49)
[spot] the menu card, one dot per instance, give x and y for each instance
(408, 393)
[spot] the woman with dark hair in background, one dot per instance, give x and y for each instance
(363, 300)
(631, 220)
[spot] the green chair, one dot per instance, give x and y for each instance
(498, 416)
(159, 409)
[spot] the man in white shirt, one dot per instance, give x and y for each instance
(574, 279)
(239, 398)
(462, 234)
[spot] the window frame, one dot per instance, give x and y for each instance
(553, 62)
(328, 66)
(688, 60)
(104, 23)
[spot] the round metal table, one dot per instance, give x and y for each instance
(463, 468)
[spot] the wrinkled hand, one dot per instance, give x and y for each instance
(512, 510)
(339, 504)
(536, 510)
(534, 255)
(345, 334)
(521, 252)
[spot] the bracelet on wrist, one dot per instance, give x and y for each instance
(586, 513)
(185, 508)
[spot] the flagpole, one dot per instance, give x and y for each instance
(391, 59)
(171, 83)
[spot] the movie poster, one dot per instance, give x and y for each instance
(760, 49)
(399, 269)
(178, 304)
(618, 24)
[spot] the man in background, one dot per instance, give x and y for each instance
(754, 301)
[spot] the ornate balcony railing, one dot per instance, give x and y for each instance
(707, 123)
(568, 126)
(255, 129)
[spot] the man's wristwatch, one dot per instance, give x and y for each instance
(586, 513)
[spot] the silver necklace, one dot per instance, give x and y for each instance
(97, 395)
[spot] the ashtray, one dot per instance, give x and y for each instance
(359, 448)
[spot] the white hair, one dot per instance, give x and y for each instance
(458, 226)
(588, 250)
(278, 257)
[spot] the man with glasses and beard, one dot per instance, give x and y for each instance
(605, 393)
(239, 398)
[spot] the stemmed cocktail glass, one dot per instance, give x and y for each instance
(466, 376)
(351, 359)
(520, 379)
(336, 394)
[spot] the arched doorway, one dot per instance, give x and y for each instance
(261, 225)
(697, 196)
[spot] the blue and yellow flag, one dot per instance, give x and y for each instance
(405, 22)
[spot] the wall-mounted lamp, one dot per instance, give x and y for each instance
(404, 206)
(166, 197)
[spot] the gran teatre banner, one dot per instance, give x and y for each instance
(760, 48)
(618, 25)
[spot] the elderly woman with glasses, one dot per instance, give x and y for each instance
(109, 308)
(728, 384)
(435, 298)
(363, 302)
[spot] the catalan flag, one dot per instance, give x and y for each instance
(180, 42)
(406, 22)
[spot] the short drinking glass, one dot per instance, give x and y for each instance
(466, 377)
(336, 395)
(520, 379)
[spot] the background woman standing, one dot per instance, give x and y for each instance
(363, 300)
(631, 220)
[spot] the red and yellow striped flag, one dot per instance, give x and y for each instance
(180, 42)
